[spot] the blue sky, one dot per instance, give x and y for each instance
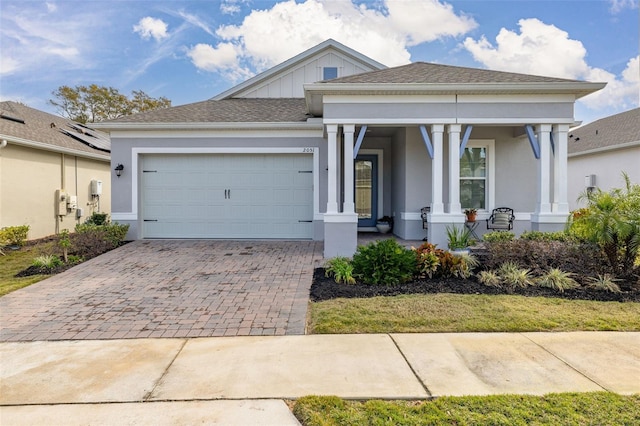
(189, 51)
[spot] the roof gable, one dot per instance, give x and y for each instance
(286, 79)
(31, 127)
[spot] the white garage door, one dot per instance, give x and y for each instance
(227, 196)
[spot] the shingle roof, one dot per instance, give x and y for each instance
(32, 125)
(252, 110)
(607, 132)
(427, 73)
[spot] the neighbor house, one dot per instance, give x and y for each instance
(599, 152)
(279, 155)
(53, 172)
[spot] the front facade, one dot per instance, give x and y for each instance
(600, 152)
(324, 144)
(50, 168)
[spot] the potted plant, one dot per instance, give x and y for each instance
(459, 239)
(384, 224)
(471, 214)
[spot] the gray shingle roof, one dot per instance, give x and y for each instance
(427, 73)
(610, 131)
(252, 110)
(32, 125)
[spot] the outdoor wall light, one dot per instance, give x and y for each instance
(119, 168)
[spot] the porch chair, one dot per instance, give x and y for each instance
(423, 214)
(501, 219)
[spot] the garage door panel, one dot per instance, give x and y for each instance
(188, 196)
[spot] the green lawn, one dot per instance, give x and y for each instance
(15, 261)
(600, 408)
(437, 313)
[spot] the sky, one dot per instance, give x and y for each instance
(191, 50)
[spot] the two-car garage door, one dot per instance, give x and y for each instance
(227, 195)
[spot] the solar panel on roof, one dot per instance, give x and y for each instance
(88, 137)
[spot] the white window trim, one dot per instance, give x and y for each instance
(490, 145)
(380, 154)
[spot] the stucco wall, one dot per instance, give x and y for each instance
(29, 179)
(607, 166)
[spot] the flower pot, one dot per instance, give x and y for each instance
(383, 227)
(471, 217)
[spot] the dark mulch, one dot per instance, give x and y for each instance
(41, 270)
(324, 288)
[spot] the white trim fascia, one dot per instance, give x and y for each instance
(519, 120)
(340, 218)
(316, 132)
(292, 62)
(124, 216)
(380, 154)
(516, 98)
(232, 126)
(388, 99)
(605, 149)
(53, 148)
(136, 152)
(390, 121)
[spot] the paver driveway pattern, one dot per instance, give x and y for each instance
(170, 288)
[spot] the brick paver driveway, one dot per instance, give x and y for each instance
(170, 288)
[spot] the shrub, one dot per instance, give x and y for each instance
(490, 278)
(435, 262)
(545, 236)
(47, 261)
(64, 242)
(14, 235)
(514, 276)
(459, 238)
(92, 240)
(341, 269)
(498, 236)
(97, 219)
(557, 280)
(604, 282)
(384, 262)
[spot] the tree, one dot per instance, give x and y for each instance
(90, 104)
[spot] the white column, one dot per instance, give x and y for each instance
(560, 178)
(332, 178)
(436, 169)
(454, 168)
(544, 169)
(349, 205)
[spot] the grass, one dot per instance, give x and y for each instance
(598, 408)
(439, 313)
(15, 261)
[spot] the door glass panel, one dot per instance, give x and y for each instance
(364, 187)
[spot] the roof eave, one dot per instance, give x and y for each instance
(53, 148)
(107, 127)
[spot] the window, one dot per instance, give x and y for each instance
(476, 170)
(329, 72)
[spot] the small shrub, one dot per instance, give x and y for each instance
(73, 259)
(498, 236)
(64, 242)
(514, 276)
(47, 261)
(14, 235)
(97, 219)
(92, 240)
(557, 280)
(341, 269)
(435, 262)
(545, 236)
(604, 282)
(384, 262)
(428, 264)
(459, 238)
(490, 278)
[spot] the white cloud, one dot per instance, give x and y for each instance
(617, 6)
(51, 7)
(231, 7)
(196, 21)
(621, 93)
(223, 58)
(543, 49)
(149, 27)
(382, 31)
(8, 65)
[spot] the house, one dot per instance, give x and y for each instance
(278, 156)
(600, 151)
(53, 172)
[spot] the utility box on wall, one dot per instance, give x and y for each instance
(96, 187)
(61, 202)
(590, 181)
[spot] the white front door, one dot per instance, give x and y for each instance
(227, 195)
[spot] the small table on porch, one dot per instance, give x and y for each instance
(471, 226)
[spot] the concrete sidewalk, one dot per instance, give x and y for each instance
(244, 380)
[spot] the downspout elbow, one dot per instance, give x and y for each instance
(3, 143)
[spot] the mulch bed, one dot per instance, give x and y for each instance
(324, 288)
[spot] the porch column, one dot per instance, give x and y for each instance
(560, 179)
(332, 178)
(437, 206)
(544, 169)
(454, 168)
(349, 205)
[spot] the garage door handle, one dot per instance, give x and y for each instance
(227, 194)
(150, 220)
(305, 221)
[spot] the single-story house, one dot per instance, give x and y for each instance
(322, 145)
(53, 172)
(600, 151)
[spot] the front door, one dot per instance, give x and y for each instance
(366, 189)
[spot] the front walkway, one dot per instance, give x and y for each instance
(170, 288)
